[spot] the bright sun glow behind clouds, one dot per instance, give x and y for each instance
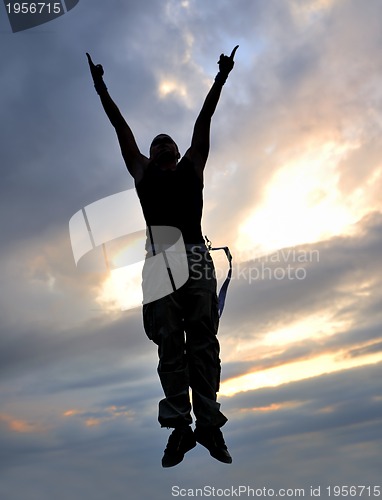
(316, 327)
(167, 87)
(303, 204)
(171, 87)
(122, 290)
(292, 372)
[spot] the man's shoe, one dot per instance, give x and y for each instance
(181, 440)
(212, 439)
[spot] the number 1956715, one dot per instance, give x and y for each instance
(34, 8)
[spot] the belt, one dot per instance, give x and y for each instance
(155, 248)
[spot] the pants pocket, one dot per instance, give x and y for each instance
(149, 321)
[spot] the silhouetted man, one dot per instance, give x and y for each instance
(184, 323)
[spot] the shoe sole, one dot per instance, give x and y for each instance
(224, 460)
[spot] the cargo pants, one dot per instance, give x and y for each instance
(184, 326)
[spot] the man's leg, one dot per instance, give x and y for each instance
(163, 324)
(203, 349)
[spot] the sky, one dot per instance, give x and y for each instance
(292, 186)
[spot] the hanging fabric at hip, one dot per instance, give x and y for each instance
(224, 287)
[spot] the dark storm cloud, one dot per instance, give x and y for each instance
(96, 340)
(58, 149)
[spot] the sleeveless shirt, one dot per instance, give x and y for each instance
(173, 198)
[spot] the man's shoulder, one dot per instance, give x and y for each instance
(190, 163)
(140, 167)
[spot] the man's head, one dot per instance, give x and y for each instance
(164, 151)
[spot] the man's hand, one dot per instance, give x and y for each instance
(226, 63)
(97, 73)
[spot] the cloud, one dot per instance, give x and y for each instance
(334, 270)
(310, 429)
(306, 75)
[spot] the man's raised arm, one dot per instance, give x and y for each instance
(134, 159)
(200, 143)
